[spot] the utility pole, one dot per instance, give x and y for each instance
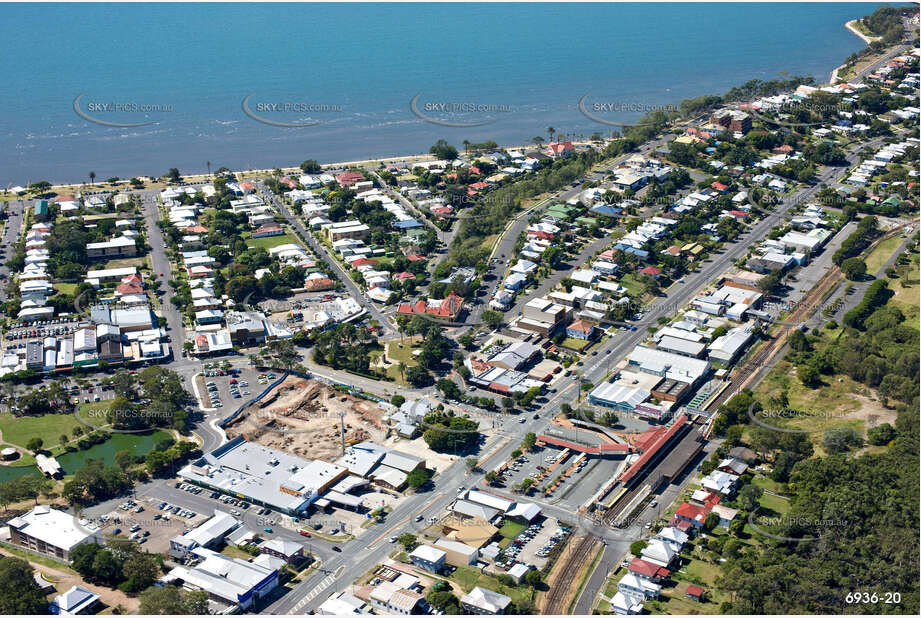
(342, 429)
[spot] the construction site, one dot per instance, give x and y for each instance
(310, 419)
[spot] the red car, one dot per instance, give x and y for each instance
(305, 533)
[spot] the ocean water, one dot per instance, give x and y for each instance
(518, 68)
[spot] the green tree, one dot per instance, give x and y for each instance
(443, 150)
(712, 521)
(418, 477)
(808, 375)
(749, 496)
(492, 318)
(530, 439)
(162, 600)
(35, 444)
(140, 570)
(637, 547)
(398, 400)
(854, 268)
(407, 540)
(19, 594)
(881, 434)
(533, 578)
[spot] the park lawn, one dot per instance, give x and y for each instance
(19, 430)
(767, 484)
(511, 529)
(881, 253)
(775, 503)
(398, 352)
(270, 242)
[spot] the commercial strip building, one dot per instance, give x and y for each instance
(229, 581)
(209, 534)
(264, 476)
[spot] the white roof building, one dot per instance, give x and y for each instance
(485, 601)
(51, 531)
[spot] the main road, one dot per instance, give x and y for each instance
(360, 555)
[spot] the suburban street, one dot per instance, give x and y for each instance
(350, 286)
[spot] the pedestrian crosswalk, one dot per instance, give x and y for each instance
(317, 590)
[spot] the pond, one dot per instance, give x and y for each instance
(137, 444)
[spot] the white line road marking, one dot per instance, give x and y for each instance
(323, 585)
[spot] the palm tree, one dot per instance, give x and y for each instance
(402, 368)
(466, 145)
(551, 131)
(208, 163)
(92, 177)
(538, 140)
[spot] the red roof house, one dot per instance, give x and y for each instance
(693, 514)
(135, 278)
(559, 148)
(719, 186)
(695, 592)
(347, 179)
(403, 276)
(363, 262)
(319, 284)
(648, 570)
(129, 288)
(651, 271)
(415, 257)
(448, 308)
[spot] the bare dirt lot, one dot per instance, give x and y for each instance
(302, 417)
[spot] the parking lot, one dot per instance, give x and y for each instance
(534, 544)
(590, 474)
(143, 521)
(45, 328)
(218, 388)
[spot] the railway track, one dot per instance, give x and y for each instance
(559, 597)
(760, 359)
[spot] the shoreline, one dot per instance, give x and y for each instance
(866, 39)
(199, 176)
